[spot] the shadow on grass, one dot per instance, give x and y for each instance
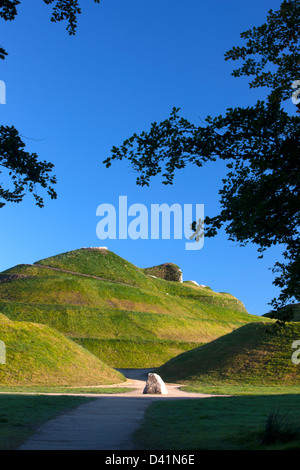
(222, 423)
(21, 415)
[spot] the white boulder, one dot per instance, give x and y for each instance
(155, 385)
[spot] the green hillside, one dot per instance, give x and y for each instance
(38, 355)
(252, 354)
(116, 310)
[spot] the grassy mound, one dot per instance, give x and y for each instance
(100, 263)
(117, 310)
(38, 355)
(252, 354)
(135, 354)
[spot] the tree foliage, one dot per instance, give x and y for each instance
(63, 10)
(260, 196)
(271, 52)
(23, 169)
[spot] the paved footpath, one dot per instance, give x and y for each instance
(105, 423)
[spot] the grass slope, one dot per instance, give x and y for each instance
(115, 309)
(248, 355)
(39, 355)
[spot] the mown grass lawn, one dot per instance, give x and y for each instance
(20, 415)
(57, 389)
(223, 388)
(222, 423)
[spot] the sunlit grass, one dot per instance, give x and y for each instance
(64, 390)
(103, 301)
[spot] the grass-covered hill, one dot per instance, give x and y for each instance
(254, 354)
(117, 311)
(39, 355)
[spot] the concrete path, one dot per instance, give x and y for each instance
(106, 423)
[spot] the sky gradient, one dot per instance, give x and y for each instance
(73, 98)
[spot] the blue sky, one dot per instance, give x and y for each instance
(73, 98)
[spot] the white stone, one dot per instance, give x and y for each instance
(155, 385)
(95, 248)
